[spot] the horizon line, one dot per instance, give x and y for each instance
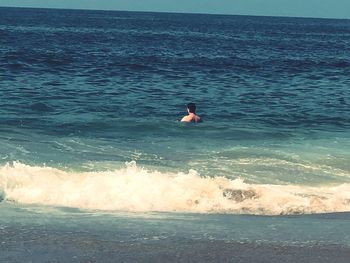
(171, 12)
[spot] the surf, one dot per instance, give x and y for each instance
(137, 189)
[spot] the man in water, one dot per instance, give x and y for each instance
(191, 117)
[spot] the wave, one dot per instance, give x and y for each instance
(137, 189)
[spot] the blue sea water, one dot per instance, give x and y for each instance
(91, 102)
(91, 90)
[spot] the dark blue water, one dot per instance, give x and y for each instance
(91, 90)
(284, 72)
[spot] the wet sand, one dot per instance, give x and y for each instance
(39, 234)
(26, 244)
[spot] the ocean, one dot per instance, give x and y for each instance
(93, 156)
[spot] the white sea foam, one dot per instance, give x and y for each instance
(136, 189)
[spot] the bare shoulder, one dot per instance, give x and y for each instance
(186, 119)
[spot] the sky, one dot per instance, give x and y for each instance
(295, 8)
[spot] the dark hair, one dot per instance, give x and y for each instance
(191, 107)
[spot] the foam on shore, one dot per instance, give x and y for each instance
(137, 189)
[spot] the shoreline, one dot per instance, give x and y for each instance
(84, 247)
(49, 234)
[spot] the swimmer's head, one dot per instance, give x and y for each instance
(191, 107)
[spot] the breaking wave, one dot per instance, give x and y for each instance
(137, 189)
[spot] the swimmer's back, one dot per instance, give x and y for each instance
(190, 118)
